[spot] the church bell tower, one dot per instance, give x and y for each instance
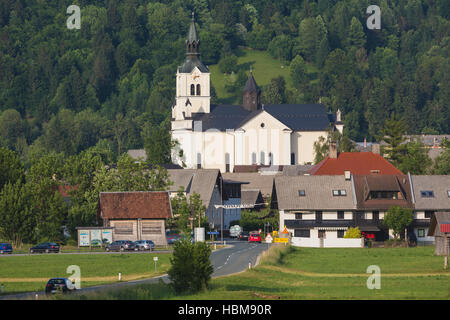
(193, 83)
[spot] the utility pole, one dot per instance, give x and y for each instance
(191, 218)
(446, 244)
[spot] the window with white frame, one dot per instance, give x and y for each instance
(421, 233)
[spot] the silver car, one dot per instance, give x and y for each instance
(145, 245)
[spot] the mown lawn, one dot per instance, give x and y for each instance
(30, 273)
(309, 273)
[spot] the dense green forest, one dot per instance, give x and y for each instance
(73, 101)
(111, 84)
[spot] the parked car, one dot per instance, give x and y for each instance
(171, 239)
(62, 285)
(121, 245)
(46, 247)
(145, 245)
(6, 248)
(254, 237)
(235, 231)
(244, 235)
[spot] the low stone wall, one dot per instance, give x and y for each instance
(327, 243)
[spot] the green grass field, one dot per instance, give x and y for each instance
(310, 273)
(264, 68)
(30, 273)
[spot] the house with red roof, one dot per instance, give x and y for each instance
(358, 163)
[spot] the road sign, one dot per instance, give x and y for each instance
(275, 233)
(155, 259)
(281, 240)
(269, 238)
(259, 230)
(285, 230)
(213, 232)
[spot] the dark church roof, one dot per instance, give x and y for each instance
(222, 117)
(250, 85)
(192, 35)
(305, 117)
(190, 64)
(298, 117)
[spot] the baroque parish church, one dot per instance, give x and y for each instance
(223, 136)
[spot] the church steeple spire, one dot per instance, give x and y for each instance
(192, 41)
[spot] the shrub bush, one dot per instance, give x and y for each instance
(352, 233)
(191, 268)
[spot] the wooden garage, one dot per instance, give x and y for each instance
(136, 215)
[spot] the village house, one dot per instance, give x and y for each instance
(355, 162)
(375, 194)
(431, 194)
(136, 215)
(220, 196)
(316, 210)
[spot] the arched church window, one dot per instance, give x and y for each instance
(192, 90)
(198, 89)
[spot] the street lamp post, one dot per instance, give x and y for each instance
(221, 209)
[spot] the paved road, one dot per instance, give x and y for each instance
(232, 259)
(81, 252)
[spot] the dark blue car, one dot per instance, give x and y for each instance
(5, 248)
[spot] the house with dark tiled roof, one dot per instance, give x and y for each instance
(324, 206)
(431, 195)
(136, 215)
(223, 136)
(316, 210)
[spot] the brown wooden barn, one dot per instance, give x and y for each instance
(136, 215)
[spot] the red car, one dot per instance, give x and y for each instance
(254, 237)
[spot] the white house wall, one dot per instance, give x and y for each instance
(302, 144)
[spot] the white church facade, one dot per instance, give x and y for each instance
(214, 136)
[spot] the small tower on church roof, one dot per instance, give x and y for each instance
(251, 94)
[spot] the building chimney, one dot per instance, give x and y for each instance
(376, 148)
(347, 175)
(333, 153)
(338, 116)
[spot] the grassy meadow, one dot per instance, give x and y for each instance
(314, 273)
(264, 68)
(31, 273)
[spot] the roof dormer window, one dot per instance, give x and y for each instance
(427, 193)
(339, 193)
